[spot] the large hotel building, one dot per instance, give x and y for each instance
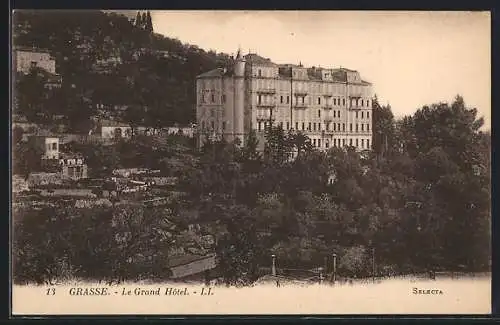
(333, 107)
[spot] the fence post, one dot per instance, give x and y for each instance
(334, 267)
(373, 264)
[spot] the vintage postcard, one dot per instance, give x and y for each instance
(250, 162)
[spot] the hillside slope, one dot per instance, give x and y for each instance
(107, 62)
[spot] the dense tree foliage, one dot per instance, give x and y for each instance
(419, 203)
(423, 205)
(124, 243)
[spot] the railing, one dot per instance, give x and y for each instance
(262, 118)
(267, 91)
(263, 105)
(300, 93)
(328, 107)
(300, 106)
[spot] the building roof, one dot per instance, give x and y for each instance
(345, 69)
(186, 259)
(256, 59)
(291, 65)
(313, 73)
(70, 155)
(51, 77)
(105, 122)
(44, 134)
(30, 49)
(219, 72)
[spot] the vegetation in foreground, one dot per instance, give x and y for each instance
(420, 201)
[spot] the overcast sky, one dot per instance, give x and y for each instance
(412, 58)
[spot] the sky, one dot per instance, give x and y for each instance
(411, 58)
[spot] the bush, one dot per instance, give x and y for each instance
(56, 244)
(355, 262)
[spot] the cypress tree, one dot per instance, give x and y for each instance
(138, 19)
(144, 20)
(149, 22)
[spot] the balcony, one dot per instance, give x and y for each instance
(269, 91)
(264, 118)
(300, 106)
(265, 105)
(356, 108)
(355, 95)
(327, 95)
(328, 107)
(300, 93)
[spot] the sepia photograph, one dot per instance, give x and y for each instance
(177, 162)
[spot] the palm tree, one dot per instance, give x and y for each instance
(300, 142)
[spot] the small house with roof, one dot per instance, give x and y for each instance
(73, 166)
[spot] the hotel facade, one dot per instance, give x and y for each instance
(333, 107)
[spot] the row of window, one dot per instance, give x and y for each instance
(359, 127)
(336, 114)
(211, 125)
(318, 87)
(310, 126)
(212, 98)
(336, 101)
(358, 143)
